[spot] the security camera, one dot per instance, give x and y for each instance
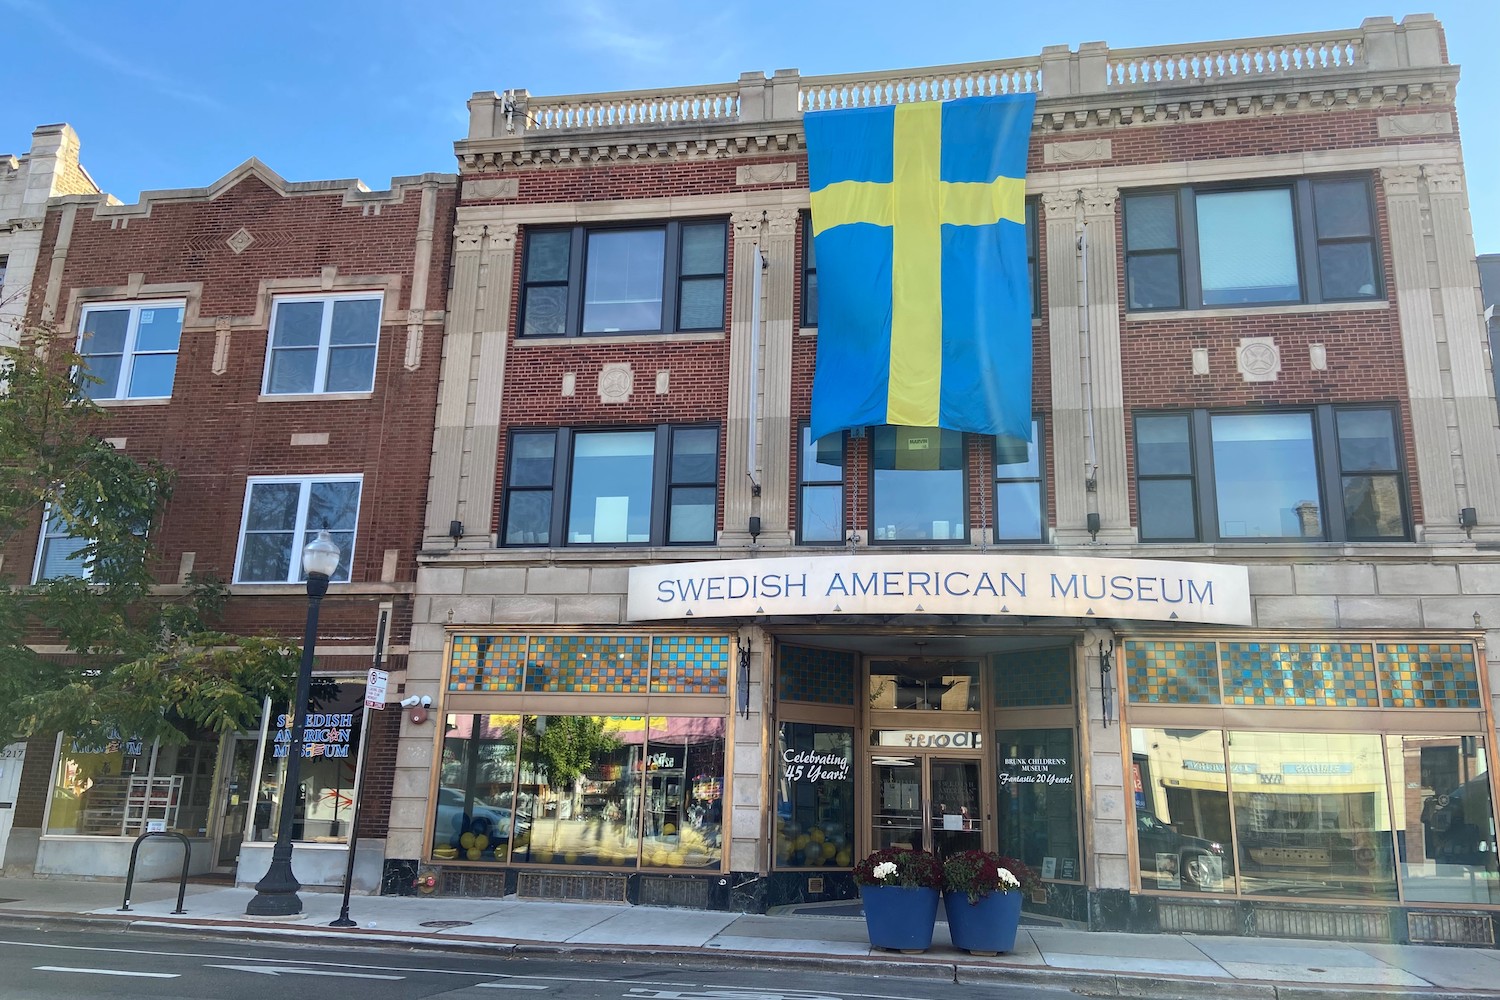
(412, 702)
(427, 701)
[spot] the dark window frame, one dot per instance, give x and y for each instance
(804, 483)
(1038, 434)
(871, 434)
(1306, 241)
(673, 277)
(560, 486)
(1033, 273)
(1328, 470)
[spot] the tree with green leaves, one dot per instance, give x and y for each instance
(98, 650)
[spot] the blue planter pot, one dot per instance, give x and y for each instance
(985, 927)
(899, 918)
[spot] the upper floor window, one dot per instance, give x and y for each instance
(918, 488)
(809, 273)
(1305, 240)
(131, 348)
(1328, 473)
(284, 513)
(1020, 514)
(60, 552)
(820, 493)
(639, 279)
(639, 486)
(323, 343)
(1031, 269)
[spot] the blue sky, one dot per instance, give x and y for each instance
(167, 94)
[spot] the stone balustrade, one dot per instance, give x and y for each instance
(1058, 72)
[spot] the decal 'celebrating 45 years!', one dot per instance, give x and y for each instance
(961, 583)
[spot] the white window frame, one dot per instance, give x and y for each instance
(304, 496)
(129, 352)
(41, 552)
(320, 373)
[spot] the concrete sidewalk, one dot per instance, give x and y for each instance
(1158, 966)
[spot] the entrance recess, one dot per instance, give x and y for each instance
(237, 797)
(926, 801)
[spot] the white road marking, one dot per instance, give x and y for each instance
(294, 970)
(107, 972)
(511, 986)
(722, 993)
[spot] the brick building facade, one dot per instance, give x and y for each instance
(1211, 656)
(278, 345)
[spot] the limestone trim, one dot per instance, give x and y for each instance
(190, 291)
(1102, 365)
(355, 192)
(1062, 216)
(781, 278)
(416, 306)
(1154, 315)
(752, 203)
(543, 343)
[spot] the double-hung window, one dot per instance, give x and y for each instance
(1020, 514)
(284, 513)
(636, 486)
(130, 348)
(652, 278)
(1324, 473)
(323, 343)
(1307, 240)
(61, 553)
(918, 490)
(820, 494)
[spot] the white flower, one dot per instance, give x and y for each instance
(1007, 880)
(885, 870)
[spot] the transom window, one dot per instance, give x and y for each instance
(284, 513)
(1305, 240)
(637, 279)
(820, 496)
(1020, 514)
(131, 348)
(1324, 474)
(918, 485)
(323, 344)
(641, 486)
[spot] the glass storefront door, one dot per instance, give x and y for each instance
(237, 798)
(926, 801)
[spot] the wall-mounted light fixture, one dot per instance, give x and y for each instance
(1106, 678)
(754, 526)
(455, 531)
(1468, 517)
(1093, 525)
(742, 688)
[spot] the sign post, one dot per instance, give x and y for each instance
(375, 685)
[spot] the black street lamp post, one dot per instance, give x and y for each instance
(276, 893)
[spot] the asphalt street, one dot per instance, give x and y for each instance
(70, 964)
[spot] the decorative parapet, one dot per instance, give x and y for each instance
(1310, 66)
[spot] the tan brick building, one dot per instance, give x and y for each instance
(1211, 656)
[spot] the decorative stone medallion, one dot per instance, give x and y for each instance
(240, 241)
(616, 382)
(1259, 359)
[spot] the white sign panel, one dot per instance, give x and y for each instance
(964, 583)
(375, 686)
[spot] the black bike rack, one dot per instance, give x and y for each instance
(187, 853)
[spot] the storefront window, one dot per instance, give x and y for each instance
(1038, 800)
(1181, 793)
(925, 685)
(615, 790)
(127, 787)
(476, 815)
(330, 764)
(1445, 826)
(814, 796)
(1311, 815)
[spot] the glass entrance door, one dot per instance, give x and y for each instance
(926, 801)
(236, 799)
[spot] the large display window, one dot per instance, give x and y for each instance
(124, 788)
(331, 740)
(814, 795)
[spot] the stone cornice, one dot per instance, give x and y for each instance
(1429, 90)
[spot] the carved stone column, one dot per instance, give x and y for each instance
(464, 452)
(1061, 210)
(775, 407)
(739, 503)
(1105, 386)
(1441, 339)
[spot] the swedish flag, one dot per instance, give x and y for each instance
(919, 222)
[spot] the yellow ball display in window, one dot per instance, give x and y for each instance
(676, 858)
(668, 830)
(659, 858)
(475, 854)
(829, 850)
(466, 841)
(817, 834)
(481, 841)
(843, 859)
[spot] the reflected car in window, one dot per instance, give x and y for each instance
(1199, 862)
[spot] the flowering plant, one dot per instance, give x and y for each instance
(980, 873)
(901, 867)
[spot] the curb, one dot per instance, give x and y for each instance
(1084, 983)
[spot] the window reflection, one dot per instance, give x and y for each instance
(1182, 824)
(928, 685)
(1311, 815)
(1445, 826)
(815, 796)
(476, 813)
